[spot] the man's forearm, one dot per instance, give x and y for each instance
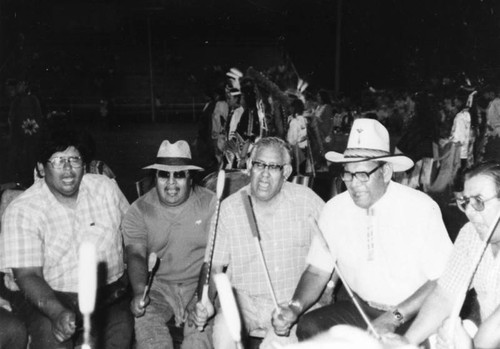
(487, 335)
(411, 306)
(436, 307)
(309, 289)
(38, 292)
(137, 272)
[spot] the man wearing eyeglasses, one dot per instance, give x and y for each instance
(387, 240)
(474, 263)
(173, 221)
(283, 231)
(42, 230)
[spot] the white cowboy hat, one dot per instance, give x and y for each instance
(174, 157)
(369, 141)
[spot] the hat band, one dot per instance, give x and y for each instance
(364, 153)
(173, 161)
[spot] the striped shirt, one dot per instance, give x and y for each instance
(38, 231)
(286, 233)
(486, 281)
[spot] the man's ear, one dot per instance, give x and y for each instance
(287, 171)
(249, 166)
(387, 172)
(40, 171)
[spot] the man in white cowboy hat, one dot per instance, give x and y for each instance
(171, 220)
(387, 240)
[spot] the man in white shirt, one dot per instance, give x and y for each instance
(387, 240)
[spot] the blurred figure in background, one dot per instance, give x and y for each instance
(297, 136)
(25, 122)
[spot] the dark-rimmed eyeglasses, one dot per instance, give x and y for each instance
(261, 166)
(60, 161)
(360, 176)
(477, 202)
(164, 175)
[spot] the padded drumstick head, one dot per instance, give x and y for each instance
(228, 304)
(153, 258)
(87, 277)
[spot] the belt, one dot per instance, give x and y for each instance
(373, 309)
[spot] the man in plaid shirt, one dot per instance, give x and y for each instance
(474, 263)
(284, 214)
(42, 230)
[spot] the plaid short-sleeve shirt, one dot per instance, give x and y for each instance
(37, 231)
(486, 281)
(286, 234)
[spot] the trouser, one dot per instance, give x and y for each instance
(13, 334)
(256, 313)
(340, 313)
(112, 322)
(152, 331)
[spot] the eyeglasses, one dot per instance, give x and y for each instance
(261, 166)
(60, 162)
(476, 202)
(361, 176)
(164, 175)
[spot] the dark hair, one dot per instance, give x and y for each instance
(487, 168)
(58, 139)
(298, 107)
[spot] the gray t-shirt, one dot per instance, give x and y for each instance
(178, 239)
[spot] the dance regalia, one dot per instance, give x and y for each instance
(248, 126)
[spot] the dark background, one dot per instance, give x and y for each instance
(384, 43)
(76, 53)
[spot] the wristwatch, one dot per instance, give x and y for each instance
(400, 319)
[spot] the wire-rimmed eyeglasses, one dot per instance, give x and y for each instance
(477, 202)
(60, 161)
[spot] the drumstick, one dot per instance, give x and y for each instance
(87, 286)
(152, 260)
(247, 202)
(229, 307)
(221, 181)
(323, 241)
(457, 306)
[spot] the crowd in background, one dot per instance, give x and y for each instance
(423, 124)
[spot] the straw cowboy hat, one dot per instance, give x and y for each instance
(369, 140)
(174, 157)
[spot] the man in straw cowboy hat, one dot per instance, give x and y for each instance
(388, 241)
(171, 220)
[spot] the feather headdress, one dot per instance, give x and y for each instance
(234, 77)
